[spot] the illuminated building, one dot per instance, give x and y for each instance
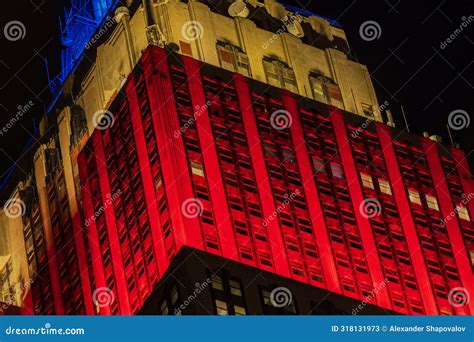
(252, 144)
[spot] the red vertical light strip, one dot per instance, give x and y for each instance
(157, 236)
(452, 226)
(53, 269)
(312, 196)
(407, 220)
(261, 175)
(116, 254)
(211, 161)
(177, 179)
(366, 234)
(93, 237)
(465, 176)
(82, 262)
(27, 307)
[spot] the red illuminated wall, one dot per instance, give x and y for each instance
(191, 133)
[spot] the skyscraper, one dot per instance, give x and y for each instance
(232, 158)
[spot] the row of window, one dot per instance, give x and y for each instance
(279, 74)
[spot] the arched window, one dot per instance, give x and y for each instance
(233, 58)
(279, 74)
(325, 90)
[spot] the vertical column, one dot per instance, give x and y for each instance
(77, 223)
(122, 15)
(462, 168)
(211, 161)
(312, 196)
(365, 229)
(467, 184)
(408, 223)
(82, 261)
(40, 173)
(452, 226)
(91, 228)
(177, 179)
(116, 254)
(157, 236)
(261, 175)
(27, 307)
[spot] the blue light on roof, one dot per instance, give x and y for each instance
(78, 25)
(100, 8)
(307, 13)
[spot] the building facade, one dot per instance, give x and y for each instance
(236, 134)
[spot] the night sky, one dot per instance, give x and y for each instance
(407, 63)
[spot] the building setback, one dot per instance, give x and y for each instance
(197, 151)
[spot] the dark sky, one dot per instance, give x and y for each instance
(407, 64)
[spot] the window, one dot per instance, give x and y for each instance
(197, 169)
(221, 308)
(384, 187)
(318, 165)
(463, 213)
(414, 196)
(227, 294)
(157, 180)
(235, 288)
(233, 58)
(319, 93)
(164, 308)
(336, 170)
(169, 302)
(266, 298)
(325, 90)
(185, 48)
(217, 282)
(280, 74)
(239, 311)
(367, 180)
(367, 110)
(288, 155)
(335, 96)
(432, 202)
(174, 295)
(270, 148)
